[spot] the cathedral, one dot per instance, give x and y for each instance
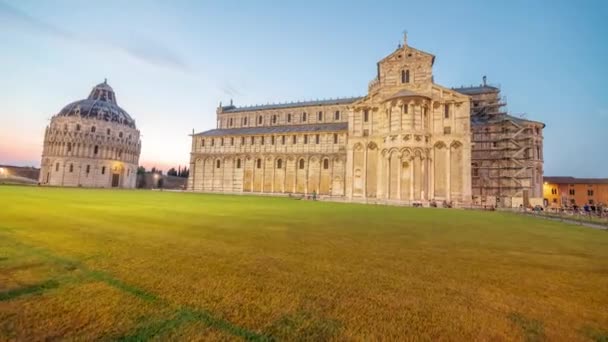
(408, 141)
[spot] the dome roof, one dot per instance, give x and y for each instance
(101, 105)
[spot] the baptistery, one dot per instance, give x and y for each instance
(91, 143)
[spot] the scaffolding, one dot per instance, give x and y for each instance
(506, 158)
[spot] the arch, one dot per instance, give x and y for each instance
(279, 163)
(358, 147)
(456, 144)
(301, 164)
(439, 145)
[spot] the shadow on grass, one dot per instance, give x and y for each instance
(28, 290)
(596, 335)
(533, 330)
(183, 316)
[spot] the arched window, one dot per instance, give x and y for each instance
(202, 142)
(78, 127)
(301, 164)
(262, 140)
(282, 140)
(217, 164)
(405, 76)
(337, 115)
(221, 141)
(238, 163)
(366, 115)
(326, 164)
(230, 122)
(317, 138)
(69, 147)
(252, 140)
(320, 116)
(288, 117)
(96, 149)
(57, 167)
(335, 138)
(260, 120)
(93, 129)
(108, 131)
(259, 163)
(305, 139)
(88, 168)
(212, 142)
(293, 139)
(272, 140)
(475, 169)
(446, 113)
(304, 117)
(103, 170)
(120, 135)
(71, 167)
(231, 141)
(245, 121)
(242, 140)
(274, 119)
(279, 163)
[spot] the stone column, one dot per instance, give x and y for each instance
(412, 179)
(365, 171)
(399, 178)
(432, 176)
(423, 180)
(449, 178)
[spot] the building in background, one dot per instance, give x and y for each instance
(507, 155)
(408, 140)
(561, 192)
(91, 143)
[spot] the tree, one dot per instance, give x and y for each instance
(172, 172)
(141, 170)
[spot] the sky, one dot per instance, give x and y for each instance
(172, 62)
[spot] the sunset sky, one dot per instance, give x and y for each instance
(171, 63)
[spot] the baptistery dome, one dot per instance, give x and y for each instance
(91, 143)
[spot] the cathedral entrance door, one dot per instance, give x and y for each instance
(115, 178)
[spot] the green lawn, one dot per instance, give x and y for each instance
(138, 265)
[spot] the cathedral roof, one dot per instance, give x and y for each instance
(326, 102)
(311, 128)
(482, 89)
(497, 118)
(101, 104)
(405, 93)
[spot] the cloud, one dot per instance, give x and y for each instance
(142, 50)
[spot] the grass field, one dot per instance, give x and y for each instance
(140, 265)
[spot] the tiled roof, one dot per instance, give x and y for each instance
(405, 93)
(325, 127)
(573, 180)
(328, 102)
(496, 118)
(476, 90)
